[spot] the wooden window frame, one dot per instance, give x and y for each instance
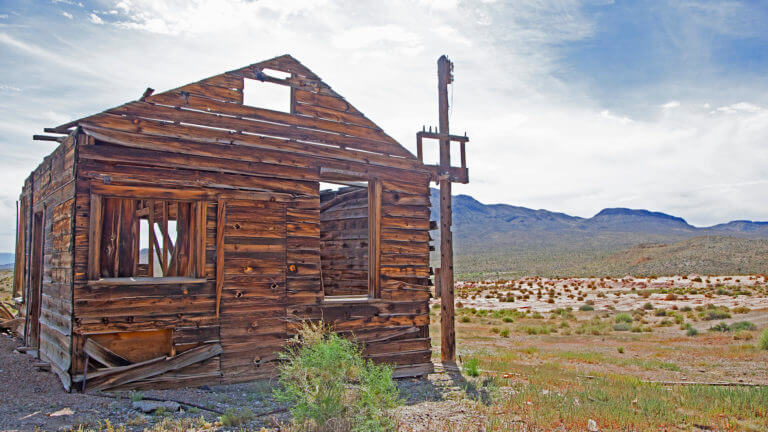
(198, 241)
(374, 247)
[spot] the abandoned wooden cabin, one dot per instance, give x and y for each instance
(177, 239)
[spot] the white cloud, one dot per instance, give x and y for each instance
(67, 14)
(3, 16)
(671, 105)
(95, 19)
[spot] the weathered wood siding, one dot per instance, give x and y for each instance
(49, 191)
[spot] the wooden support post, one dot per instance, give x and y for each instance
(448, 333)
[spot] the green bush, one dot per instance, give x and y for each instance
(504, 332)
(623, 318)
(660, 312)
(762, 341)
(743, 325)
(622, 327)
(691, 331)
(715, 313)
(233, 417)
(471, 367)
(329, 386)
(720, 327)
(648, 306)
(586, 308)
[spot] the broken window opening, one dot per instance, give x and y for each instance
(269, 95)
(149, 239)
(346, 232)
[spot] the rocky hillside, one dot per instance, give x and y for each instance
(500, 238)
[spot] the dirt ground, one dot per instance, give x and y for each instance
(552, 347)
(621, 294)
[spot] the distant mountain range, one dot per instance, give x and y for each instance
(6, 261)
(507, 239)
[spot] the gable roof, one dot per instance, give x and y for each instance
(322, 122)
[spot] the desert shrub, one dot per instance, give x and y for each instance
(537, 329)
(507, 319)
(648, 306)
(586, 307)
(234, 417)
(762, 341)
(623, 318)
(685, 309)
(743, 335)
(495, 329)
(593, 327)
(720, 327)
(537, 315)
(714, 313)
(621, 327)
(465, 319)
(471, 367)
(504, 332)
(330, 387)
(636, 329)
(620, 350)
(670, 297)
(660, 312)
(741, 310)
(691, 331)
(743, 325)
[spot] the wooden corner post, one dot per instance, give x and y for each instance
(448, 332)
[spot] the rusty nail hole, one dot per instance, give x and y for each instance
(239, 294)
(237, 226)
(274, 285)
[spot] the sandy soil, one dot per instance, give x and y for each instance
(621, 294)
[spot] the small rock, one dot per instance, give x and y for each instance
(148, 406)
(592, 426)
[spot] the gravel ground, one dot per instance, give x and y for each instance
(31, 399)
(34, 400)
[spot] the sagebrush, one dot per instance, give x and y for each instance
(330, 387)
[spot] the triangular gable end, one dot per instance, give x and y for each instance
(323, 115)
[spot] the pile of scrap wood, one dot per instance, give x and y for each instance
(9, 321)
(120, 374)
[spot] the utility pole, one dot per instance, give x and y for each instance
(444, 174)
(448, 331)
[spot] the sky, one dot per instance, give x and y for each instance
(570, 105)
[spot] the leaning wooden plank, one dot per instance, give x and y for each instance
(413, 370)
(131, 374)
(221, 220)
(104, 355)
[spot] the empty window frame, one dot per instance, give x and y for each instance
(265, 94)
(146, 238)
(349, 239)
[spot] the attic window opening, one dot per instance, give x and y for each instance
(265, 94)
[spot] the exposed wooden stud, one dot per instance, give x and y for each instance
(221, 220)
